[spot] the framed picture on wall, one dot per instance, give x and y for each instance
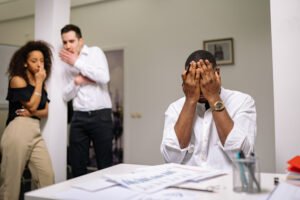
(222, 49)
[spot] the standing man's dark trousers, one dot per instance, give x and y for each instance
(86, 126)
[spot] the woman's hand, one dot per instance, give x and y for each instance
(41, 74)
(23, 112)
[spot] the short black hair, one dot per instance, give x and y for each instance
(71, 27)
(200, 54)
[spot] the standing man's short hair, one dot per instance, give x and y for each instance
(71, 27)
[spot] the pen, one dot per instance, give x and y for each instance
(240, 155)
(251, 169)
(191, 188)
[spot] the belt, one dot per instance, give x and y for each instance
(92, 112)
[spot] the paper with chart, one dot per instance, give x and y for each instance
(203, 173)
(152, 179)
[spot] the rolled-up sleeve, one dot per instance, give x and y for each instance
(170, 148)
(243, 133)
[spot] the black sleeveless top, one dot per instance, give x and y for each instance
(16, 95)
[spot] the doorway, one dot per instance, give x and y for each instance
(115, 59)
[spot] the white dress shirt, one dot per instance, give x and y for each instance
(205, 148)
(91, 63)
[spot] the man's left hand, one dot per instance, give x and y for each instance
(210, 81)
(82, 80)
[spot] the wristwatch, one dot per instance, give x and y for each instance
(218, 106)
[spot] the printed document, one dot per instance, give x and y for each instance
(152, 179)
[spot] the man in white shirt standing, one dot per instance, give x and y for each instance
(88, 76)
(210, 124)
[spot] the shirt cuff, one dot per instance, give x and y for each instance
(235, 142)
(174, 154)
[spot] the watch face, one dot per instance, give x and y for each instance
(219, 106)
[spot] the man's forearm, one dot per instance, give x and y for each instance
(224, 124)
(184, 124)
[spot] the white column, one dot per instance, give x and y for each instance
(285, 27)
(50, 17)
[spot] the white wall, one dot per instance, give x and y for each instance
(6, 51)
(157, 36)
(285, 45)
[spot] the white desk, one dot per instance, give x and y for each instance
(223, 182)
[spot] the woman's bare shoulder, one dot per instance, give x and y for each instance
(17, 82)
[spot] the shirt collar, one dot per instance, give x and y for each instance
(207, 106)
(84, 50)
(203, 106)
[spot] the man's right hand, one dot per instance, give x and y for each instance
(82, 80)
(191, 89)
(68, 57)
(191, 82)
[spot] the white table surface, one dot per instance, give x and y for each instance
(223, 183)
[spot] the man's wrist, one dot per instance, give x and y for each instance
(191, 101)
(213, 100)
(218, 106)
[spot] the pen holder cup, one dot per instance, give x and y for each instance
(246, 175)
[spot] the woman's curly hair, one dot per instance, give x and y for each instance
(18, 60)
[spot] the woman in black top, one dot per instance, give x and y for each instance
(22, 142)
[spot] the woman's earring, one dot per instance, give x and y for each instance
(25, 65)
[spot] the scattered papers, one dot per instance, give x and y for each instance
(147, 183)
(152, 181)
(203, 173)
(94, 185)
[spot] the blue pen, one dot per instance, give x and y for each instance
(240, 155)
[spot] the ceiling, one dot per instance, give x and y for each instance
(13, 9)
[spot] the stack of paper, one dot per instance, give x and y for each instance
(142, 184)
(153, 179)
(294, 169)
